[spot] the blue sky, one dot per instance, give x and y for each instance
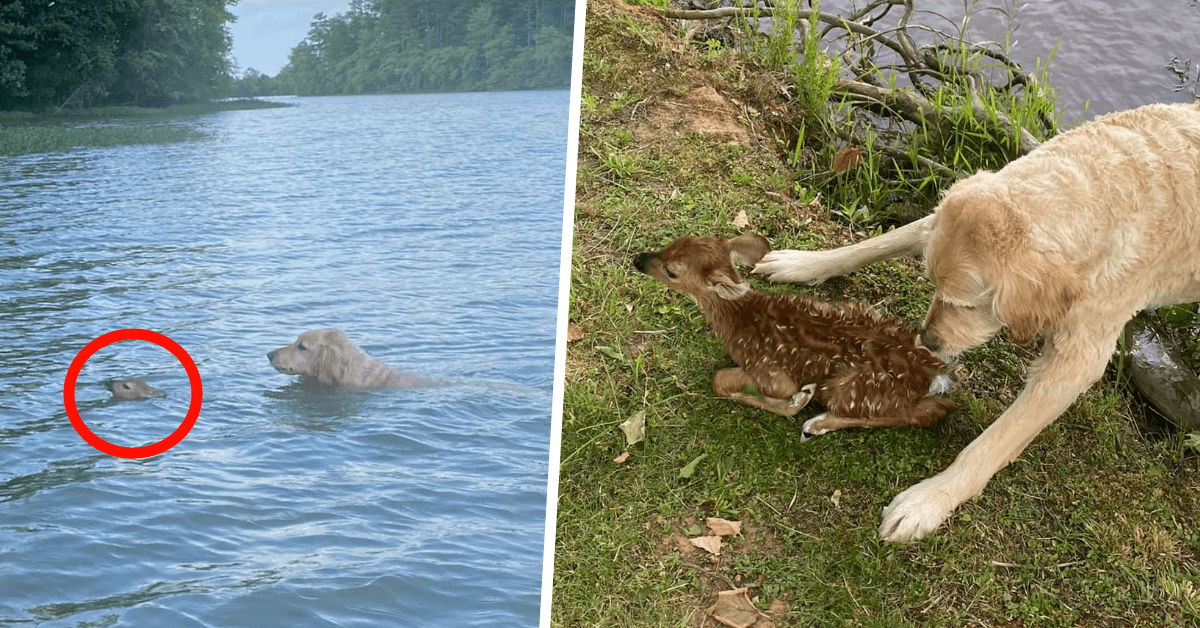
(266, 30)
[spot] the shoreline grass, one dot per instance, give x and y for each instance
(24, 133)
(1094, 525)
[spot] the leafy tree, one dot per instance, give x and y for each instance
(434, 45)
(80, 53)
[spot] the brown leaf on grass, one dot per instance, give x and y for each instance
(846, 159)
(836, 498)
(574, 332)
(734, 609)
(723, 527)
(710, 544)
(621, 458)
(741, 221)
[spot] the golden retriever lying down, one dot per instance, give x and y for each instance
(326, 356)
(1069, 241)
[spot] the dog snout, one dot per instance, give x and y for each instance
(641, 261)
(271, 354)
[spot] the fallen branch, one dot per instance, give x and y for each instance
(952, 73)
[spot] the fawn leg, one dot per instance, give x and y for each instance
(924, 413)
(734, 383)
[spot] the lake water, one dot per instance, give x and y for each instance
(427, 227)
(1110, 55)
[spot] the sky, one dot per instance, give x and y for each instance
(267, 30)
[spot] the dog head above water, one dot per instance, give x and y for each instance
(703, 267)
(133, 388)
(327, 357)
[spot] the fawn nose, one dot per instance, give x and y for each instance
(641, 261)
(929, 341)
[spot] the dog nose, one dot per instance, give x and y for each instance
(928, 340)
(271, 354)
(641, 261)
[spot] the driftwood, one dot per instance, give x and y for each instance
(872, 58)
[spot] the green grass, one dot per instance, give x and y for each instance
(23, 133)
(1094, 525)
(45, 138)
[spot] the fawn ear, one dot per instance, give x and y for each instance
(748, 248)
(727, 286)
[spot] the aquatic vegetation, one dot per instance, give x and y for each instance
(45, 138)
(23, 133)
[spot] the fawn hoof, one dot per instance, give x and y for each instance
(802, 397)
(812, 427)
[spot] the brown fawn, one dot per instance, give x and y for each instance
(868, 370)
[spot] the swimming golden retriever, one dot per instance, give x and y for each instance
(326, 356)
(1069, 242)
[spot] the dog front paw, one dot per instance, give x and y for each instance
(790, 266)
(916, 512)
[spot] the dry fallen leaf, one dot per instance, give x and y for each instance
(634, 428)
(574, 332)
(734, 609)
(710, 544)
(723, 527)
(741, 221)
(836, 498)
(846, 159)
(621, 458)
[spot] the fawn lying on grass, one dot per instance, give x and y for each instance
(867, 370)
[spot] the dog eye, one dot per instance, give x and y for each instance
(302, 347)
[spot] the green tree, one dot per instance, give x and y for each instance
(148, 52)
(176, 51)
(434, 45)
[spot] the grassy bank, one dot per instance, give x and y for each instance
(23, 133)
(1094, 525)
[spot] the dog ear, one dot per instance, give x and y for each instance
(1032, 301)
(748, 248)
(728, 287)
(327, 365)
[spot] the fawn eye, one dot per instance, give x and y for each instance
(670, 275)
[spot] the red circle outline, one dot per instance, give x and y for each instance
(133, 452)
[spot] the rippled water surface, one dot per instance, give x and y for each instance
(427, 227)
(1104, 56)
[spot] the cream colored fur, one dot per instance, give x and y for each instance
(1069, 242)
(326, 356)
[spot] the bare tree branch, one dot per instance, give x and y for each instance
(928, 68)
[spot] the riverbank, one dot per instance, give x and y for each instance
(23, 133)
(684, 132)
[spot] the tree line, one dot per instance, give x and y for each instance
(75, 53)
(61, 53)
(395, 46)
